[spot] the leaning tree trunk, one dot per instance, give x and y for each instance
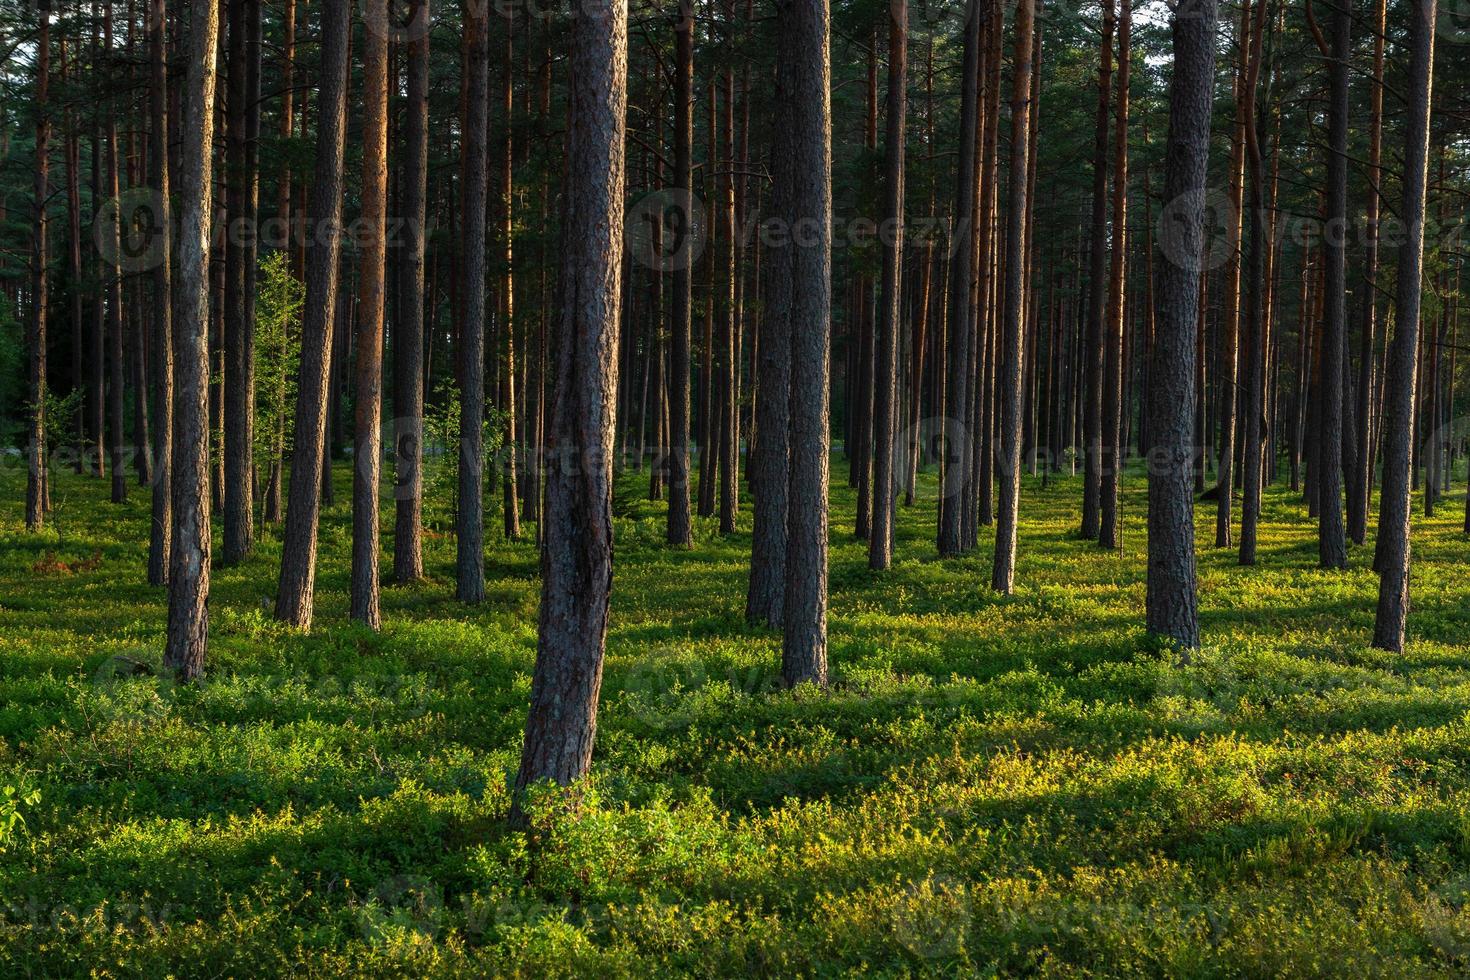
(160, 337)
(1331, 538)
(1110, 472)
(1008, 381)
(680, 532)
(576, 564)
(1092, 422)
(368, 418)
(304, 498)
(188, 578)
(1172, 603)
(1400, 378)
(408, 338)
(959, 444)
(804, 47)
(469, 506)
(36, 448)
(885, 402)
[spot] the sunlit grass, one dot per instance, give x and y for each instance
(1019, 786)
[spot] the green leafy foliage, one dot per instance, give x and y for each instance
(278, 302)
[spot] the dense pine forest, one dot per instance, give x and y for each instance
(935, 487)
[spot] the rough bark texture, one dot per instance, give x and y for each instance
(1229, 343)
(408, 338)
(770, 461)
(188, 580)
(1008, 381)
(160, 338)
(1253, 339)
(680, 530)
(959, 443)
(470, 517)
(804, 45)
(304, 499)
(368, 421)
(576, 564)
(885, 395)
(1400, 375)
(1172, 604)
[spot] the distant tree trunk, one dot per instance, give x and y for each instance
(470, 557)
(1110, 472)
(1360, 481)
(1400, 380)
(36, 468)
(1092, 421)
(188, 579)
(368, 421)
(239, 406)
(116, 370)
(1254, 335)
(729, 401)
(680, 532)
(1172, 603)
(161, 340)
(1229, 333)
(959, 443)
(1008, 381)
(304, 501)
(886, 394)
(1331, 539)
(511, 510)
(804, 45)
(577, 561)
(408, 338)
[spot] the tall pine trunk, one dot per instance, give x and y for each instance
(188, 579)
(576, 564)
(470, 518)
(318, 328)
(680, 531)
(161, 339)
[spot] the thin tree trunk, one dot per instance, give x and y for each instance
(304, 502)
(1254, 334)
(885, 403)
(511, 511)
(680, 531)
(1008, 381)
(1360, 485)
(368, 420)
(1092, 420)
(161, 340)
(1331, 538)
(36, 448)
(1110, 472)
(408, 338)
(470, 558)
(238, 340)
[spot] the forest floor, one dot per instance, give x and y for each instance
(993, 785)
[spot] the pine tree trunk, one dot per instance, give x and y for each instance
(408, 338)
(304, 501)
(960, 443)
(36, 438)
(680, 531)
(161, 339)
(577, 560)
(1360, 481)
(1228, 359)
(368, 419)
(1008, 380)
(885, 403)
(188, 579)
(239, 404)
(1172, 604)
(1399, 377)
(1331, 538)
(1110, 471)
(1253, 341)
(511, 511)
(470, 545)
(1092, 421)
